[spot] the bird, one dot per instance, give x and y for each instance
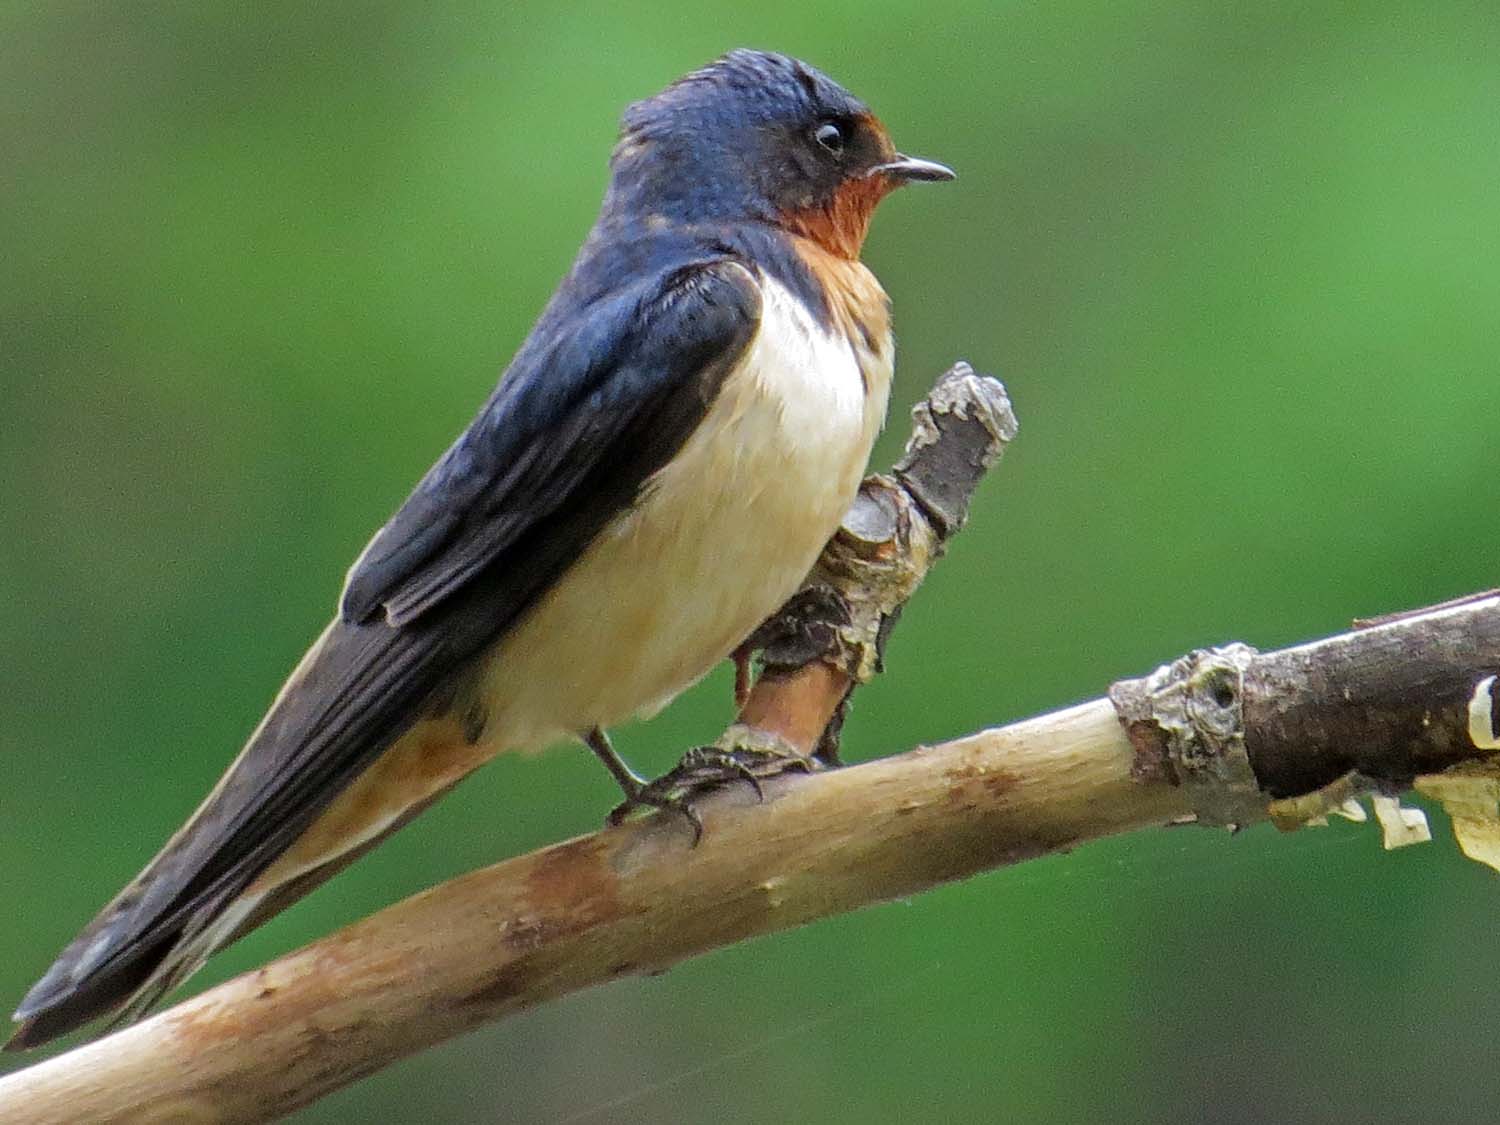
(654, 474)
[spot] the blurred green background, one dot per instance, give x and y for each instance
(1240, 268)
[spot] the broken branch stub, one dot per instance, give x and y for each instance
(831, 635)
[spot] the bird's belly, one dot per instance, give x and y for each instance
(722, 536)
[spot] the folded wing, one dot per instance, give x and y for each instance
(599, 398)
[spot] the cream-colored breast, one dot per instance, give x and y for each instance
(723, 535)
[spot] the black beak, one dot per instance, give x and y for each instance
(910, 168)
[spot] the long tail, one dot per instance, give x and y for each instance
(127, 997)
(354, 747)
(76, 990)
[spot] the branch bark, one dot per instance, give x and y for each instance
(1224, 736)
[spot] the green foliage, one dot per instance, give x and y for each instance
(1240, 268)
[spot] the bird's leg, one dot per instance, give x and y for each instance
(639, 793)
(625, 777)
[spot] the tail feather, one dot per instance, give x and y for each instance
(185, 958)
(71, 995)
(75, 991)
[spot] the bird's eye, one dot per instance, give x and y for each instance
(831, 137)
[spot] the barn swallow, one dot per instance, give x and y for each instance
(654, 475)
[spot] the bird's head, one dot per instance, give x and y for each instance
(755, 136)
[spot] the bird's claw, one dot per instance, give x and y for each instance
(705, 769)
(659, 796)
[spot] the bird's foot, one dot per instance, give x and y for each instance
(742, 756)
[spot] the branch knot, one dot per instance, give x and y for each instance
(1186, 721)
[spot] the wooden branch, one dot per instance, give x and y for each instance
(639, 898)
(1246, 734)
(1212, 737)
(626, 901)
